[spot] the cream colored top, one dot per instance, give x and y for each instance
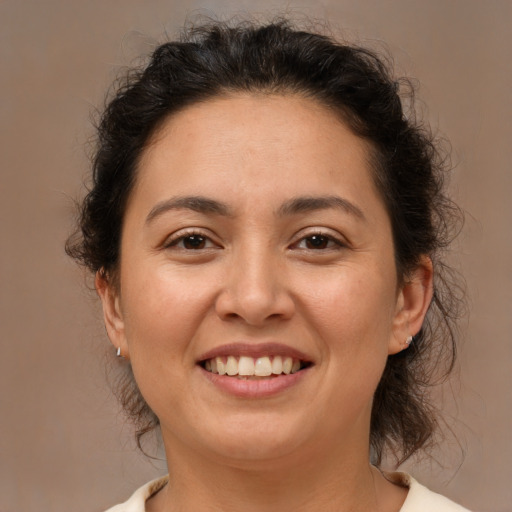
(419, 498)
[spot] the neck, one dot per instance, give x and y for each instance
(309, 480)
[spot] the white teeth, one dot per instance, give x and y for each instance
(262, 367)
(221, 367)
(245, 366)
(232, 366)
(277, 365)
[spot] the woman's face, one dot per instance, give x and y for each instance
(255, 240)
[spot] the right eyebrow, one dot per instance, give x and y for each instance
(195, 203)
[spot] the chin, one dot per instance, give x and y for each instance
(247, 439)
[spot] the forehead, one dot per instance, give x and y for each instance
(233, 145)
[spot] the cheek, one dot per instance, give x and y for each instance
(355, 302)
(163, 311)
(353, 315)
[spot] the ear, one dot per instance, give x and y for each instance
(412, 304)
(112, 313)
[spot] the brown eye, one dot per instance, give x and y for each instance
(193, 242)
(317, 242)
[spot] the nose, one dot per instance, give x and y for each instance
(256, 290)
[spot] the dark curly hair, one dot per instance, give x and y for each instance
(408, 168)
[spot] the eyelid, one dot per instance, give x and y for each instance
(339, 240)
(175, 238)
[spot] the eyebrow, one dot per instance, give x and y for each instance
(313, 203)
(297, 205)
(195, 203)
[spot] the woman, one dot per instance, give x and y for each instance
(264, 226)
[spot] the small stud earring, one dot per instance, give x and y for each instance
(408, 341)
(118, 352)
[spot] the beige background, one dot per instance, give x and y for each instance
(63, 444)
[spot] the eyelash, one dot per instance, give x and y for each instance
(330, 241)
(181, 237)
(334, 242)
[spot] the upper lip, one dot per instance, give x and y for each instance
(254, 350)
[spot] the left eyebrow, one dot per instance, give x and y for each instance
(198, 204)
(307, 204)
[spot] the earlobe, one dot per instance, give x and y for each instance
(412, 305)
(112, 313)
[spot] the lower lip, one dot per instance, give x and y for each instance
(260, 388)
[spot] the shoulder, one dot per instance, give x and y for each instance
(421, 499)
(137, 501)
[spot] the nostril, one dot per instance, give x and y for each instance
(254, 309)
(254, 292)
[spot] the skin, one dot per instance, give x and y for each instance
(258, 277)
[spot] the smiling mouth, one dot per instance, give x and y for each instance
(254, 368)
